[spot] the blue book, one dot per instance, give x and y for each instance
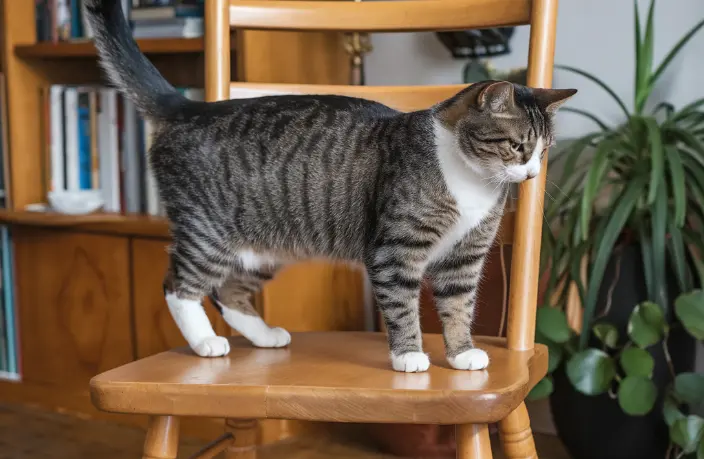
(76, 22)
(84, 144)
(8, 300)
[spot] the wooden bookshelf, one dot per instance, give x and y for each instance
(85, 48)
(104, 223)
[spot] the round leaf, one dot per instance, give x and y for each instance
(671, 411)
(636, 395)
(552, 323)
(690, 310)
(637, 362)
(687, 432)
(591, 371)
(542, 389)
(646, 325)
(554, 356)
(689, 388)
(607, 334)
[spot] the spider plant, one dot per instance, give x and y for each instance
(642, 181)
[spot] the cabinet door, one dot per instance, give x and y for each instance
(155, 330)
(74, 305)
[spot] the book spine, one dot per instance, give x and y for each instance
(153, 203)
(130, 158)
(108, 134)
(71, 131)
(76, 23)
(63, 20)
(84, 141)
(8, 300)
(94, 153)
(56, 121)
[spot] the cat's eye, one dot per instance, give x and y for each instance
(515, 146)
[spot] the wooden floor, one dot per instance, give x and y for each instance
(30, 433)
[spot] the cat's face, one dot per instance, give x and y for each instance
(503, 129)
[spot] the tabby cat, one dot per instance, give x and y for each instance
(252, 185)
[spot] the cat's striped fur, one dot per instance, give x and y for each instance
(250, 185)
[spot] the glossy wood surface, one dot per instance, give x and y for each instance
(85, 48)
(161, 441)
(473, 441)
(73, 305)
(244, 432)
(108, 223)
(516, 435)
(381, 16)
(329, 376)
(525, 267)
(217, 50)
(216, 447)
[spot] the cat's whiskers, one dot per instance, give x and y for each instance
(556, 186)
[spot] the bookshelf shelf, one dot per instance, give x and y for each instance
(106, 223)
(85, 48)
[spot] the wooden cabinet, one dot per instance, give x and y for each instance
(73, 300)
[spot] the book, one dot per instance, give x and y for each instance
(71, 141)
(171, 28)
(56, 123)
(85, 173)
(167, 10)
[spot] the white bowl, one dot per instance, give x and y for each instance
(76, 202)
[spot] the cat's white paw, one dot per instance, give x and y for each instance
(473, 359)
(410, 362)
(272, 337)
(213, 346)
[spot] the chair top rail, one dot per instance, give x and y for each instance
(378, 16)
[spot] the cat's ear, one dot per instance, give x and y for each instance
(496, 97)
(551, 99)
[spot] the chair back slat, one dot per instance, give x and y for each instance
(402, 98)
(378, 16)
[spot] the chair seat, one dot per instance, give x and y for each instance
(323, 376)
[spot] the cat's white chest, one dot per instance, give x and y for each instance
(474, 196)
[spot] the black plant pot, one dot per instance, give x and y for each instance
(596, 427)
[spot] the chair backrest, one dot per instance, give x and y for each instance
(523, 228)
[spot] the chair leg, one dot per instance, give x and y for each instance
(245, 444)
(516, 435)
(473, 441)
(162, 438)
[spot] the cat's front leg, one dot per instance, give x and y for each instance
(396, 281)
(455, 280)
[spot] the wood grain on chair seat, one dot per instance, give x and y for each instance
(326, 376)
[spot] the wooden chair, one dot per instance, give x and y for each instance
(345, 377)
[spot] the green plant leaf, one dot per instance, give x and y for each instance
(541, 390)
(677, 254)
(689, 308)
(677, 182)
(688, 109)
(636, 395)
(700, 450)
(601, 163)
(658, 221)
(646, 247)
(552, 323)
(591, 371)
(687, 432)
(644, 63)
(620, 214)
(638, 42)
(657, 157)
(689, 388)
(637, 362)
(607, 334)
(646, 325)
(598, 82)
(673, 52)
(555, 354)
(671, 411)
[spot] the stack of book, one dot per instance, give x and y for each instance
(167, 18)
(95, 139)
(65, 20)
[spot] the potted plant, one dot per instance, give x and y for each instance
(624, 229)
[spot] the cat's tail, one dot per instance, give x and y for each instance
(127, 68)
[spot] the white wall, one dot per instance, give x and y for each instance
(594, 35)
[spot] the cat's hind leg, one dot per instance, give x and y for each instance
(234, 300)
(190, 276)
